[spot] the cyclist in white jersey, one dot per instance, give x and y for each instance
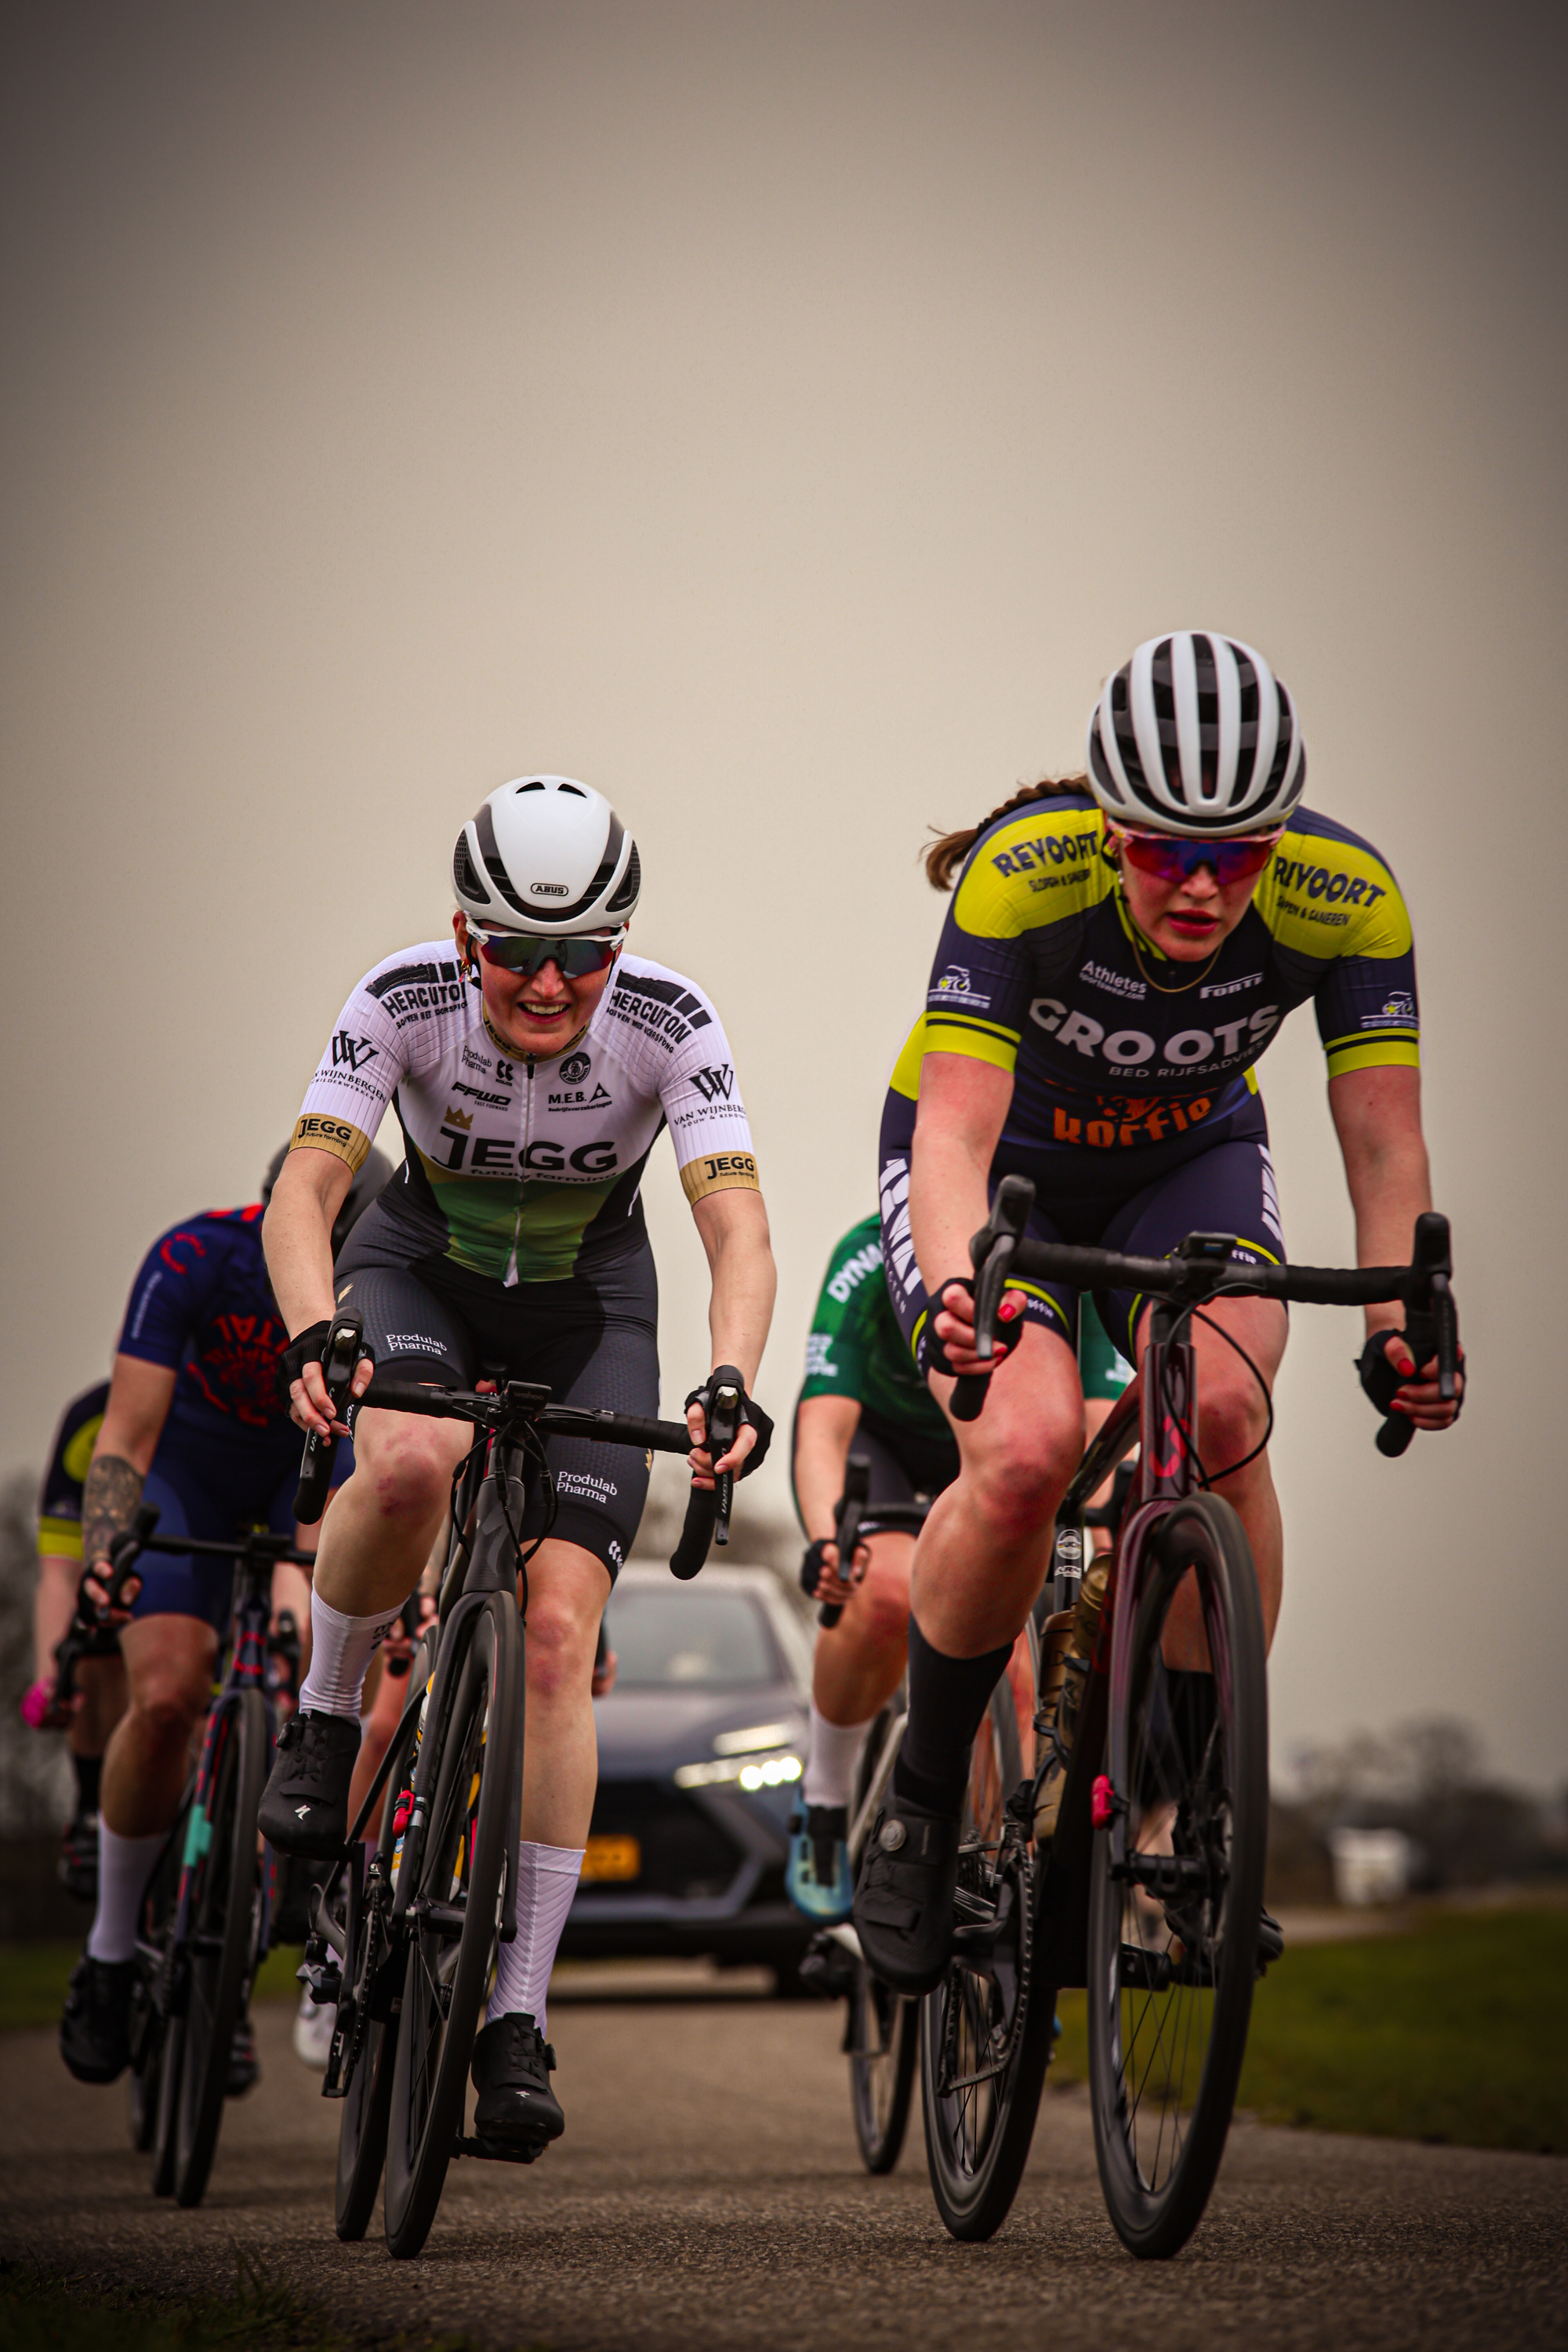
(531, 1063)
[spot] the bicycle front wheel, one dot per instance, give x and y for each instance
(1173, 1933)
(884, 2030)
(361, 2135)
(453, 1916)
(224, 1927)
(149, 2033)
(985, 2037)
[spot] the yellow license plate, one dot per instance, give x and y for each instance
(612, 1857)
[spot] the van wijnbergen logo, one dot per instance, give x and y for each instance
(351, 1050)
(575, 1069)
(955, 980)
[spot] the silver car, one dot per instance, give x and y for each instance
(701, 1748)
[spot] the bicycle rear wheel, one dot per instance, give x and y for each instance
(986, 2036)
(1172, 1933)
(454, 1916)
(361, 2135)
(225, 1926)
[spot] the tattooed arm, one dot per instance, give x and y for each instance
(140, 1396)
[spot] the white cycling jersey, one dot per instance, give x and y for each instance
(520, 1168)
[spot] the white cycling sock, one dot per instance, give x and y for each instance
(546, 1881)
(341, 1651)
(124, 1867)
(830, 1759)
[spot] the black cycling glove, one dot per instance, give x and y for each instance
(1378, 1377)
(751, 1413)
(309, 1349)
(931, 1356)
(812, 1564)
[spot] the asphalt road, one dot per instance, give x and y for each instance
(708, 2194)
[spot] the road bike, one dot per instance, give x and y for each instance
(406, 1928)
(206, 1917)
(881, 2033)
(1150, 1889)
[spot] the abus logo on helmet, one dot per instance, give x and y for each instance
(548, 890)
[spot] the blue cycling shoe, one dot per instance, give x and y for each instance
(816, 1876)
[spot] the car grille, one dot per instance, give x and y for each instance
(684, 1856)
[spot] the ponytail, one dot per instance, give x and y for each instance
(946, 855)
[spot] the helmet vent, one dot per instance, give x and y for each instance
(630, 885)
(534, 787)
(576, 791)
(463, 874)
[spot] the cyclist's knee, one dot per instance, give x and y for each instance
(169, 1704)
(406, 1463)
(563, 1633)
(1233, 1420)
(1014, 1483)
(882, 1613)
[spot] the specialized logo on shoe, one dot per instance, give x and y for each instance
(301, 1812)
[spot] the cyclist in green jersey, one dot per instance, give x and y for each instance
(862, 1394)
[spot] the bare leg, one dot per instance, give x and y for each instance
(1232, 1416)
(169, 1662)
(567, 1590)
(859, 1662)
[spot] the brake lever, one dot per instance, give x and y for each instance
(723, 1418)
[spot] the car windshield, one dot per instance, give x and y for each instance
(689, 1641)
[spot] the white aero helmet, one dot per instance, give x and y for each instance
(546, 855)
(1196, 735)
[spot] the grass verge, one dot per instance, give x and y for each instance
(40, 2312)
(33, 1979)
(1452, 2032)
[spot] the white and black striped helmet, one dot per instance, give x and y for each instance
(547, 855)
(1196, 735)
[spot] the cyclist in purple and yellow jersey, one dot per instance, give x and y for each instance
(1120, 948)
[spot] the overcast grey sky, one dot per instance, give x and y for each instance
(784, 418)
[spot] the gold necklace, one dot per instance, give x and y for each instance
(1159, 989)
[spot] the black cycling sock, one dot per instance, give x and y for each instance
(89, 1771)
(948, 1697)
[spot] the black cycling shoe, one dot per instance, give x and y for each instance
(903, 1902)
(512, 2070)
(1270, 1941)
(95, 2026)
(244, 2066)
(77, 1868)
(305, 1804)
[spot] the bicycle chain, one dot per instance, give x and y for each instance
(374, 1938)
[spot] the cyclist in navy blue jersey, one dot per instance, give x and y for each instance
(196, 1420)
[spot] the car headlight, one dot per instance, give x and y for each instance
(746, 1771)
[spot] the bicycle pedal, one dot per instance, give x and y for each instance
(499, 2151)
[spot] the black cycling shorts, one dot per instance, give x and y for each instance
(906, 1467)
(1105, 1200)
(592, 1340)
